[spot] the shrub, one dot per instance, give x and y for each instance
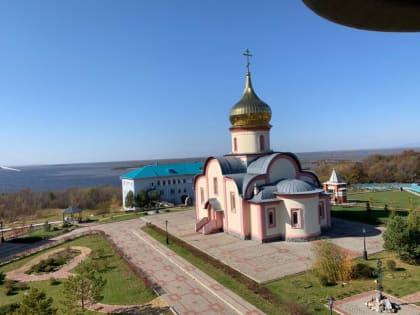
(21, 286)
(323, 280)
(8, 308)
(362, 271)
(54, 281)
(391, 265)
(2, 277)
(9, 286)
(330, 261)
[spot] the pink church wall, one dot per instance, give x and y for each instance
(234, 218)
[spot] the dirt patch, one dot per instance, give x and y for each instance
(63, 273)
(156, 306)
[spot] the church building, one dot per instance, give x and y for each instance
(254, 192)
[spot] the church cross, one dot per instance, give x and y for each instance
(247, 54)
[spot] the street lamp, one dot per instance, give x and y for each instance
(364, 245)
(166, 229)
(330, 303)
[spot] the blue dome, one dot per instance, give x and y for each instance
(296, 186)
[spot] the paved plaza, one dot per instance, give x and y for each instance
(355, 305)
(267, 261)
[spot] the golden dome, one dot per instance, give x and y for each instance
(250, 111)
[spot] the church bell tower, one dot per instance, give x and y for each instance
(250, 122)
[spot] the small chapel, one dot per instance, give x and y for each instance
(256, 193)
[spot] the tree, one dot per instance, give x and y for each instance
(142, 198)
(330, 262)
(36, 302)
(402, 235)
(154, 195)
(86, 287)
(129, 199)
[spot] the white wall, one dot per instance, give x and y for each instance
(248, 141)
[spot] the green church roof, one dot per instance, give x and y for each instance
(165, 170)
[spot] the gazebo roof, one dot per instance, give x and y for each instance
(71, 210)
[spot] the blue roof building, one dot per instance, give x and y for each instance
(174, 182)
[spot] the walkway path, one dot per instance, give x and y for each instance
(182, 286)
(63, 273)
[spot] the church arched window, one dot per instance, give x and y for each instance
(262, 143)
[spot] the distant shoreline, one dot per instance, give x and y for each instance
(329, 154)
(81, 175)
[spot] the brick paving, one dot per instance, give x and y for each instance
(261, 262)
(355, 305)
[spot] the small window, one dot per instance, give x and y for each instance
(158, 182)
(185, 190)
(296, 218)
(235, 145)
(163, 182)
(232, 202)
(271, 212)
(321, 210)
(262, 143)
(179, 181)
(179, 191)
(215, 185)
(174, 181)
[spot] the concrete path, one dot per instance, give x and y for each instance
(188, 290)
(268, 261)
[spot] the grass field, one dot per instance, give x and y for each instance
(396, 200)
(399, 201)
(122, 287)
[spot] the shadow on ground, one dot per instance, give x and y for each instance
(345, 228)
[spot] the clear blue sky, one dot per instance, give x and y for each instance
(98, 80)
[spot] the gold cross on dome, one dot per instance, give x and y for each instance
(247, 54)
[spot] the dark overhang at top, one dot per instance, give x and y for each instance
(374, 15)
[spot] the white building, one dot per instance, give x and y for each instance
(174, 182)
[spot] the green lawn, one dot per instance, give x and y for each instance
(123, 286)
(399, 201)
(396, 200)
(305, 288)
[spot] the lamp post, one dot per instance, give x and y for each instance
(1, 228)
(166, 229)
(330, 303)
(364, 245)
